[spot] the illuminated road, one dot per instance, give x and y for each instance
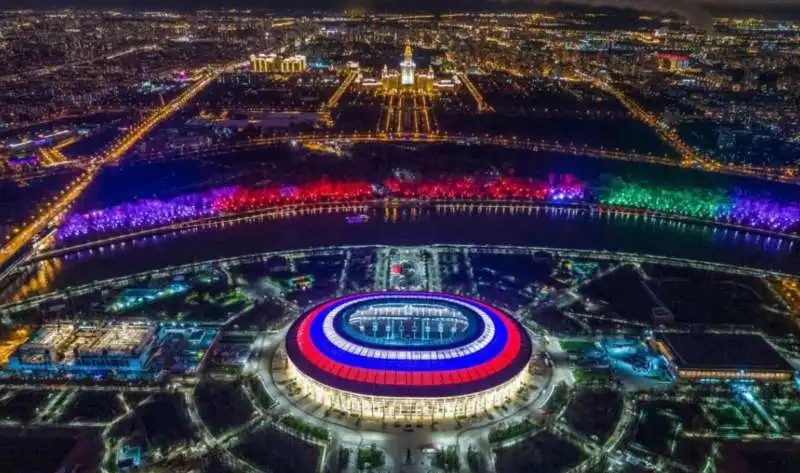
(52, 156)
(21, 237)
(483, 107)
(51, 214)
(772, 174)
(430, 138)
(119, 147)
(689, 157)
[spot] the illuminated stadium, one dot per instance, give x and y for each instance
(408, 355)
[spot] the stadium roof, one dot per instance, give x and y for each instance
(480, 364)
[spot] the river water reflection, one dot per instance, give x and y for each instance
(413, 226)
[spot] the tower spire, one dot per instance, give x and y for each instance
(407, 66)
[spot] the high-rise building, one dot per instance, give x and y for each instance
(407, 66)
(406, 79)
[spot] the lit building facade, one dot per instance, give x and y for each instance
(123, 346)
(406, 79)
(271, 63)
(422, 409)
(672, 62)
(408, 356)
(407, 66)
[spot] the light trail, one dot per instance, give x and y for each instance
(483, 107)
(337, 95)
(21, 237)
(333, 101)
(121, 146)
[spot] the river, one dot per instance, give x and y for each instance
(555, 228)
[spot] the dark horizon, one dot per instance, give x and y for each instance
(715, 8)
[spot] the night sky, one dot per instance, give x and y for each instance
(713, 6)
(698, 12)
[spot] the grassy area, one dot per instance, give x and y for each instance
(475, 460)
(305, 429)
(592, 376)
(370, 456)
(447, 459)
(576, 345)
(542, 453)
(558, 398)
(786, 414)
(511, 431)
(92, 406)
(727, 416)
(274, 451)
(594, 412)
(222, 406)
(260, 393)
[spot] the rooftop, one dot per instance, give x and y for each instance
(726, 351)
(69, 339)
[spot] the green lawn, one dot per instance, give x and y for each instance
(576, 345)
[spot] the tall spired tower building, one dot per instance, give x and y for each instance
(405, 80)
(407, 66)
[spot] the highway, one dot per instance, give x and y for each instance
(689, 157)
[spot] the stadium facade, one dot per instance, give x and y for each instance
(410, 356)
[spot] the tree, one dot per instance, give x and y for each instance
(344, 458)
